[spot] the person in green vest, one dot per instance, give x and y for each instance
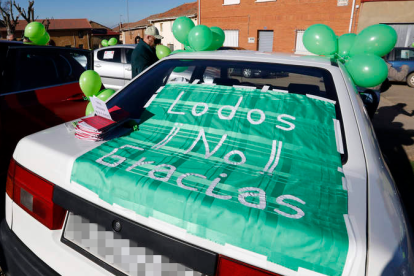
(144, 54)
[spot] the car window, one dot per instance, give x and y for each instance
(110, 55)
(295, 79)
(36, 68)
(128, 53)
(288, 78)
(210, 74)
(404, 54)
(181, 74)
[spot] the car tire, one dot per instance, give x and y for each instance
(410, 80)
(247, 73)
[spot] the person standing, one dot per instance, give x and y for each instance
(144, 54)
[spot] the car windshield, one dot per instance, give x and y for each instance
(285, 78)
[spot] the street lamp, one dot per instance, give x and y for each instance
(127, 11)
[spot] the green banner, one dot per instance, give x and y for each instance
(254, 169)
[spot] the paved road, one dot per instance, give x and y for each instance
(394, 126)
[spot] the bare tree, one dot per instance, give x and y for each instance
(46, 22)
(9, 20)
(29, 15)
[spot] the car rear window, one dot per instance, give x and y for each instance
(29, 68)
(295, 79)
(110, 55)
(288, 78)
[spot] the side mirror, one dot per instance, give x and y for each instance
(371, 101)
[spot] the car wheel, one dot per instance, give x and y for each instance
(410, 80)
(247, 73)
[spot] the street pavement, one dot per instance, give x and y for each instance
(394, 127)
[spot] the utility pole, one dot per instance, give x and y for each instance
(127, 11)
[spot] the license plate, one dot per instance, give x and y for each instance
(124, 255)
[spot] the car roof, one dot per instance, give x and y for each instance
(11, 42)
(118, 46)
(255, 56)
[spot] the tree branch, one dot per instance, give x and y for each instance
(29, 16)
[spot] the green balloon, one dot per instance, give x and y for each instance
(180, 69)
(377, 39)
(200, 38)
(218, 38)
(367, 70)
(90, 83)
(42, 40)
(105, 94)
(112, 41)
(162, 51)
(34, 30)
(178, 51)
(320, 39)
(181, 28)
(188, 49)
(89, 109)
(345, 43)
(104, 43)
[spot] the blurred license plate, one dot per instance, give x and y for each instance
(124, 255)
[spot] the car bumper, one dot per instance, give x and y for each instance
(17, 258)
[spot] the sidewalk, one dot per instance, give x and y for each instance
(394, 120)
(394, 127)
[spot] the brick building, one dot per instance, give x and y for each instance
(398, 14)
(131, 30)
(163, 21)
(77, 33)
(276, 25)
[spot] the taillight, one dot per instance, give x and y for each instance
(230, 267)
(35, 195)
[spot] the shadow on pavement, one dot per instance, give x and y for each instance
(391, 137)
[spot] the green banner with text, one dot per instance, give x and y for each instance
(255, 169)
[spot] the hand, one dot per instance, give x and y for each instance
(404, 67)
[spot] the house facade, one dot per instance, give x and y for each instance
(276, 25)
(397, 14)
(129, 31)
(163, 22)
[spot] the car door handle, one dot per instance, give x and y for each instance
(76, 97)
(128, 69)
(98, 65)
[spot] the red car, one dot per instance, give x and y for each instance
(39, 88)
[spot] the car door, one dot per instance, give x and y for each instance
(127, 65)
(403, 56)
(39, 89)
(109, 65)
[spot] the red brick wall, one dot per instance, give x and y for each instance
(284, 17)
(130, 36)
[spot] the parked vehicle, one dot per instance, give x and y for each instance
(400, 56)
(113, 64)
(77, 207)
(38, 89)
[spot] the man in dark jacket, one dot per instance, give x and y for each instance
(144, 55)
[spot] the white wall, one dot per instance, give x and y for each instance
(167, 33)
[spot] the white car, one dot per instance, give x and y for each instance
(224, 176)
(113, 64)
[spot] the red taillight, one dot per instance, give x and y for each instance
(35, 195)
(230, 267)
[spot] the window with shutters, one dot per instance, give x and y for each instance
(300, 48)
(231, 38)
(231, 2)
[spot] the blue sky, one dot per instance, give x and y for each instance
(106, 12)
